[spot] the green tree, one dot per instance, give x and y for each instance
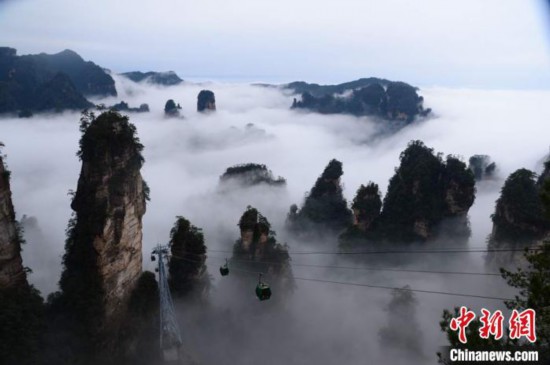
(519, 212)
(188, 274)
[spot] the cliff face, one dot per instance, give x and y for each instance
(519, 220)
(425, 191)
(366, 207)
(375, 97)
(482, 167)
(249, 174)
(426, 198)
(12, 273)
(171, 109)
(258, 250)
(519, 216)
(168, 78)
(187, 268)
(325, 207)
(103, 249)
(206, 101)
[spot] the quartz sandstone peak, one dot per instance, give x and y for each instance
(206, 101)
(12, 272)
(257, 249)
(105, 240)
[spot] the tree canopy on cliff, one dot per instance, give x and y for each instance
(257, 250)
(251, 174)
(206, 100)
(325, 206)
(427, 197)
(171, 109)
(188, 276)
(532, 281)
(424, 190)
(110, 194)
(519, 215)
(374, 97)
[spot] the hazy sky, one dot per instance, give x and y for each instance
(466, 43)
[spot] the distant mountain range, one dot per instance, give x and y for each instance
(159, 78)
(392, 100)
(61, 81)
(45, 82)
(317, 90)
(64, 81)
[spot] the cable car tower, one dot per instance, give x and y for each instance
(170, 335)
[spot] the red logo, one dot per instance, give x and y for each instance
(491, 324)
(523, 324)
(461, 323)
(520, 324)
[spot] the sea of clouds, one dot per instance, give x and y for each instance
(321, 323)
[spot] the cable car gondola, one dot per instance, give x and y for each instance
(263, 291)
(224, 270)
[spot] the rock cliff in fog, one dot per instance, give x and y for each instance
(206, 101)
(103, 262)
(21, 307)
(12, 272)
(168, 78)
(257, 250)
(369, 96)
(249, 174)
(188, 275)
(427, 198)
(519, 220)
(482, 167)
(324, 208)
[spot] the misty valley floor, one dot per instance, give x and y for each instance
(320, 323)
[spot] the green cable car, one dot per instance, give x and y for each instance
(224, 270)
(263, 291)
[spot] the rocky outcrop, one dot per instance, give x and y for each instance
(372, 97)
(124, 107)
(168, 78)
(206, 101)
(366, 206)
(366, 209)
(325, 207)
(250, 174)
(171, 109)
(427, 198)
(257, 249)
(424, 192)
(21, 306)
(482, 167)
(188, 276)
(12, 272)
(317, 90)
(519, 215)
(519, 219)
(103, 260)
